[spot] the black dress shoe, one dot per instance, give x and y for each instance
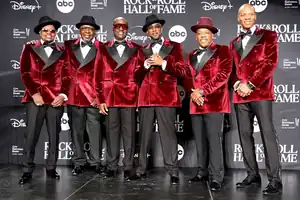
(127, 175)
(174, 180)
(198, 178)
(138, 176)
(99, 169)
(249, 180)
(215, 185)
(77, 170)
(110, 174)
(53, 174)
(273, 188)
(26, 177)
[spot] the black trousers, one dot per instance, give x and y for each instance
(208, 133)
(245, 113)
(35, 120)
(120, 122)
(166, 117)
(82, 120)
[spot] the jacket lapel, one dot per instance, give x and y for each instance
(206, 56)
(113, 52)
(165, 50)
(76, 51)
(89, 57)
(147, 51)
(48, 61)
(193, 60)
(40, 51)
(55, 55)
(252, 41)
(126, 55)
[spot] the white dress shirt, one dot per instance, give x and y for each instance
(85, 50)
(155, 49)
(120, 49)
(247, 37)
(48, 50)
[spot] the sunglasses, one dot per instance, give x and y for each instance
(48, 31)
(119, 26)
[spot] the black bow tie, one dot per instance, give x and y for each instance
(154, 42)
(117, 43)
(49, 44)
(243, 34)
(200, 51)
(83, 44)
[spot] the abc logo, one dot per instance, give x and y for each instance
(181, 92)
(65, 6)
(259, 5)
(64, 122)
(177, 33)
(180, 152)
(255, 125)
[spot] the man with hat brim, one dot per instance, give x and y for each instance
(40, 67)
(117, 92)
(255, 53)
(77, 84)
(209, 68)
(158, 96)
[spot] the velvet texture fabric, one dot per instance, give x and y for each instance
(41, 74)
(78, 74)
(212, 77)
(256, 63)
(159, 87)
(114, 75)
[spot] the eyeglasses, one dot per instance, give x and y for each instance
(49, 31)
(119, 26)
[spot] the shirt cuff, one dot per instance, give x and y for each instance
(65, 96)
(146, 65)
(236, 85)
(164, 65)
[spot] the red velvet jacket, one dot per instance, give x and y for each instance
(256, 64)
(114, 75)
(40, 73)
(78, 73)
(212, 77)
(159, 87)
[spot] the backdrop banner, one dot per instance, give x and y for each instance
(20, 16)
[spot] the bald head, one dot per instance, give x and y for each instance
(247, 16)
(246, 6)
(118, 19)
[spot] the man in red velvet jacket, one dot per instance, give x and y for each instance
(117, 92)
(255, 54)
(77, 84)
(209, 67)
(40, 66)
(158, 95)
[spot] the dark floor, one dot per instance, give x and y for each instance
(89, 186)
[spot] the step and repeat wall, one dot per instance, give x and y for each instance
(20, 16)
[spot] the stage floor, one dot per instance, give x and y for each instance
(89, 186)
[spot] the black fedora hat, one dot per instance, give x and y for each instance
(44, 21)
(152, 19)
(87, 20)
